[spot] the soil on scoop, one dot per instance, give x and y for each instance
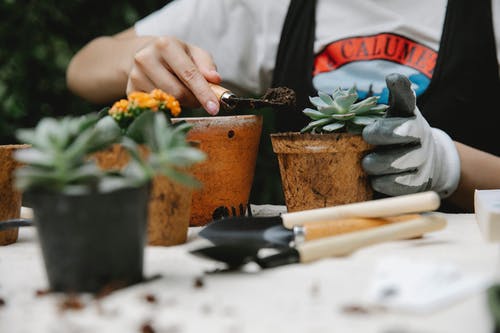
(280, 95)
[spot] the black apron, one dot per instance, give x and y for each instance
(464, 85)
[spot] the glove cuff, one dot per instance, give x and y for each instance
(448, 173)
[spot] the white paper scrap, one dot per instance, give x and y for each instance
(406, 285)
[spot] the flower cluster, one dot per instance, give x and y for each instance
(125, 111)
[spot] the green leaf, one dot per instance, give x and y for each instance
(141, 127)
(314, 114)
(337, 92)
(34, 157)
(85, 173)
(316, 123)
(343, 117)
(325, 98)
(182, 178)
(106, 132)
(318, 102)
(364, 120)
(333, 127)
(346, 101)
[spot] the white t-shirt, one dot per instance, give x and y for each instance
(357, 41)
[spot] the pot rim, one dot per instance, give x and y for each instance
(308, 143)
(250, 118)
(15, 146)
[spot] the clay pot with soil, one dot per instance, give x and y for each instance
(321, 170)
(231, 144)
(321, 165)
(10, 198)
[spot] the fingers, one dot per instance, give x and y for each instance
(397, 160)
(178, 58)
(204, 61)
(177, 68)
(394, 185)
(138, 81)
(390, 131)
(402, 99)
(157, 71)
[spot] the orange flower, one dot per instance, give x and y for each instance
(143, 100)
(174, 106)
(139, 101)
(119, 107)
(159, 95)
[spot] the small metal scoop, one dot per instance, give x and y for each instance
(280, 98)
(236, 256)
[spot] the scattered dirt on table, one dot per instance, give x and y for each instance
(42, 292)
(71, 302)
(147, 328)
(2, 302)
(359, 309)
(150, 298)
(280, 95)
(198, 282)
(109, 289)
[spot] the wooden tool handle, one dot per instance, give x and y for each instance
(313, 231)
(411, 203)
(347, 243)
(219, 91)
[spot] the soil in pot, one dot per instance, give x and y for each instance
(169, 207)
(321, 170)
(91, 242)
(231, 144)
(10, 198)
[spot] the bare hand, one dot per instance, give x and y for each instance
(178, 68)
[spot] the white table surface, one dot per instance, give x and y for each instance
(293, 298)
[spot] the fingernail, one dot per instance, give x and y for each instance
(212, 107)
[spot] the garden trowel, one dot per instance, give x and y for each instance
(270, 232)
(236, 255)
(277, 98)
(317, 223)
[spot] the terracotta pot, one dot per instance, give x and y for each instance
(169, 207)
(231, 144)
(10, 199)
(321, 170)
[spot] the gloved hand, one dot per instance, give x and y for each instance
(411, 156)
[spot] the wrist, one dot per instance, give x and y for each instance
(448, 171)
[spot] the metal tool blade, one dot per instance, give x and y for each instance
(253, 231)
(235, 256)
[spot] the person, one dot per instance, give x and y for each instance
(442, 130)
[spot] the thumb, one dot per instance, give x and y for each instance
(402, 100)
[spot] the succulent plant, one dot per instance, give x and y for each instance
(58, 159)
(57, 156)
(341, 111)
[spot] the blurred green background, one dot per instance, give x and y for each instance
(38, 39)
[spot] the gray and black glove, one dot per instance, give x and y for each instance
(411, 156)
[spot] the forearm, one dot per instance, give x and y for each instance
(99, 71)
(479, 170)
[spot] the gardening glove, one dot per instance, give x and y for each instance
(411, 156)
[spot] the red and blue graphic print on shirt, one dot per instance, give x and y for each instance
(365, 61)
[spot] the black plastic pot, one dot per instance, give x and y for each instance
(91, 242)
